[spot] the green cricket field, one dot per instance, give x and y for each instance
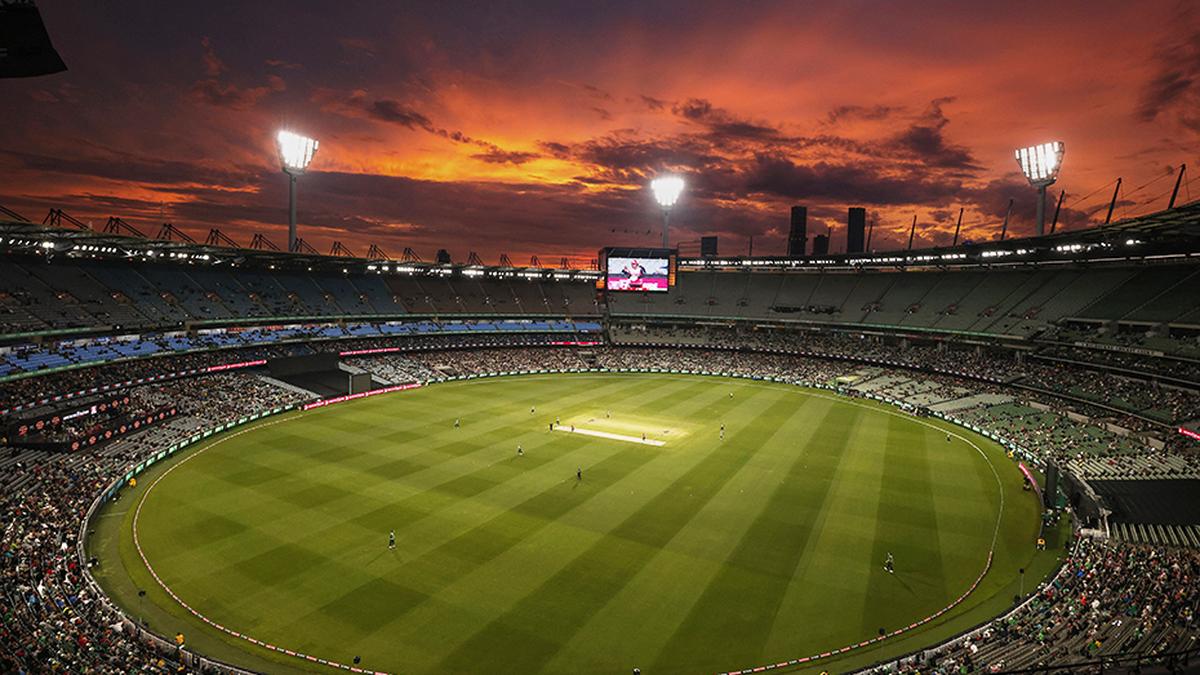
(635, 533)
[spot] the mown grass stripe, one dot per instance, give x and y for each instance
(431, 465)
(906, 526)
(664, 591)
(498, 538)
(736, 611)
(408, 515)
(836, 558)
(594, 577)
(688, 397)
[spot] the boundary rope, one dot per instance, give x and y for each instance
(891, 409)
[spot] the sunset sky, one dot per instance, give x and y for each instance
(534, 127)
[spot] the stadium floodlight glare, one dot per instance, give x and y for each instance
(1040, 164)
(295, 153)
(666, 192)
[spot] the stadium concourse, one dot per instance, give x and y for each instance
(117, 352)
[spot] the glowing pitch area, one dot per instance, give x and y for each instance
(572, 429)
(624, 426)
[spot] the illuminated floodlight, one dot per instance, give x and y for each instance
(295, 151)
(1040, 164)
(295, 154)
(666, 192)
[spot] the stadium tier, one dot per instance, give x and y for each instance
(1017, 303)
(49, 297)
(120, 361)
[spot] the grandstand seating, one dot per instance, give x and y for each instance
(1002, 302)
(1038, 430)
(1092, 367)
(90, 294)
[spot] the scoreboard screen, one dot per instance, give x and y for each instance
(638, 274)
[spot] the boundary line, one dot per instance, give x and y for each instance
(889, 409)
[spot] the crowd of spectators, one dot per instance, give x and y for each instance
(1137, 398)
(1160, 402)
(396, 369)
(51, 619)
(32, 390)
(1108, 598)
(1033, 420)
(1120, 597)
(1133, 347)
(1041, 429)
(1138, 363)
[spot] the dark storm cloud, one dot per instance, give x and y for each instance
(215, 93)
(1175, 87)
(392, 211)
(499, 156)
(852, 183)
(858, 112)
(926, 141)
(555, 149)
(653, 103)
(135, 169)
(693, 109)
(392, 111)
(728, 158)
(722, 125)
(359, 104)
(212, 90)
(395, 112)
(786, 114)
(633, 157)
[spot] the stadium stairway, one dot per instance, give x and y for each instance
(287, 385)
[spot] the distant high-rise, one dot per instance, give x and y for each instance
(856, 230)
(443, 257)
(820, 246)
(798, 235)
(708, 246)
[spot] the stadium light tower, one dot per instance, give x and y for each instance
(295, 154)
(1040, 164)
(666, 192)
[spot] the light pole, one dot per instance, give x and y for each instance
(1040, 164)
(666, 192)
(295, 154)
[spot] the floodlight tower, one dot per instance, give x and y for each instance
(295, 154)
(1040, 164)
(666, 192)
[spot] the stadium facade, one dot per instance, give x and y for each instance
(1080, 351)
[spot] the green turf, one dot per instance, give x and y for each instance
(697, 556)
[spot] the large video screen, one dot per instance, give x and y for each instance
(638, 274)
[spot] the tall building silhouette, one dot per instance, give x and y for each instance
(820, 246)
(798, 235)
(856, 230)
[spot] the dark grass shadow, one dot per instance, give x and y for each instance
(381, 554)
(907, 586)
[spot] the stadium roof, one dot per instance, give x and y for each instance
(27, 238)
(1174, 233)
